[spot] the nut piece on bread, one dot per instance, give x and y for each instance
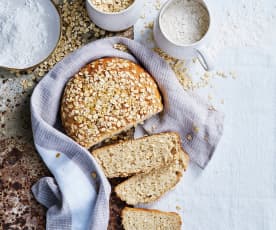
(149, 187)
(106, 97)
(146, 219)
(139, 155)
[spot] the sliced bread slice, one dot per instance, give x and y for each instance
(149, 187)
(146, 219)
(138, 156)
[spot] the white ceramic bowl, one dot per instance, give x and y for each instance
(178, 51)
(52, 17)
(116, 21)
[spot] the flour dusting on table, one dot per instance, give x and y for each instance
(244, 26)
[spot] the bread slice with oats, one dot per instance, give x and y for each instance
(146, 219)
(149, 187)
(139, 155)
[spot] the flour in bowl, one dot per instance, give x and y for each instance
(24, 38)
(185, 21)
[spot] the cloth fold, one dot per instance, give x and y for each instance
(76, 200)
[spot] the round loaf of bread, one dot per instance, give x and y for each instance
(106, 97)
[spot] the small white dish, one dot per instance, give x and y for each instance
(182, 51)
(53, 27)
(116, 21)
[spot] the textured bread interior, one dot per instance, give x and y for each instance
(148, 187)
(143, 219)
(138, 156)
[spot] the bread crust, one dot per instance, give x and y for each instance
(151, 211)
(106, 97)
(126, 209)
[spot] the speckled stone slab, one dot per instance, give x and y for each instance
(20, 166)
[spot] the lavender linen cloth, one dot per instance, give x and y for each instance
(75, 199)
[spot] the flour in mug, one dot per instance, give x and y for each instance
(185, 21)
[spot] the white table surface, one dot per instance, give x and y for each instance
(237, 190)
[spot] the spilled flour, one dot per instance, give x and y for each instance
(23, 33)
(239, 24)
(242, 26)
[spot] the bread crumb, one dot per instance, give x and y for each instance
(58, 155)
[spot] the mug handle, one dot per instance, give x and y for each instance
(204, 59)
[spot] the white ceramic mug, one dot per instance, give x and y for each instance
(115, 21)
(178, 51)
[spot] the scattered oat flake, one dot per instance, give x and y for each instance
(189, 137)
(94, 175)
(195, 128)
(189, 84)
(149, 25)
(24, 84)
(178, 208)
(120, 47)
(153, 127)
(233, 74)
(180, 69)
(157, 5)
(221, 74)
(212, 108)
(112, 5)
(143, 16)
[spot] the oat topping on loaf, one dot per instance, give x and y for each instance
(106, 97)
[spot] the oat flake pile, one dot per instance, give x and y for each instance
(111, 5)
(77, 30)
